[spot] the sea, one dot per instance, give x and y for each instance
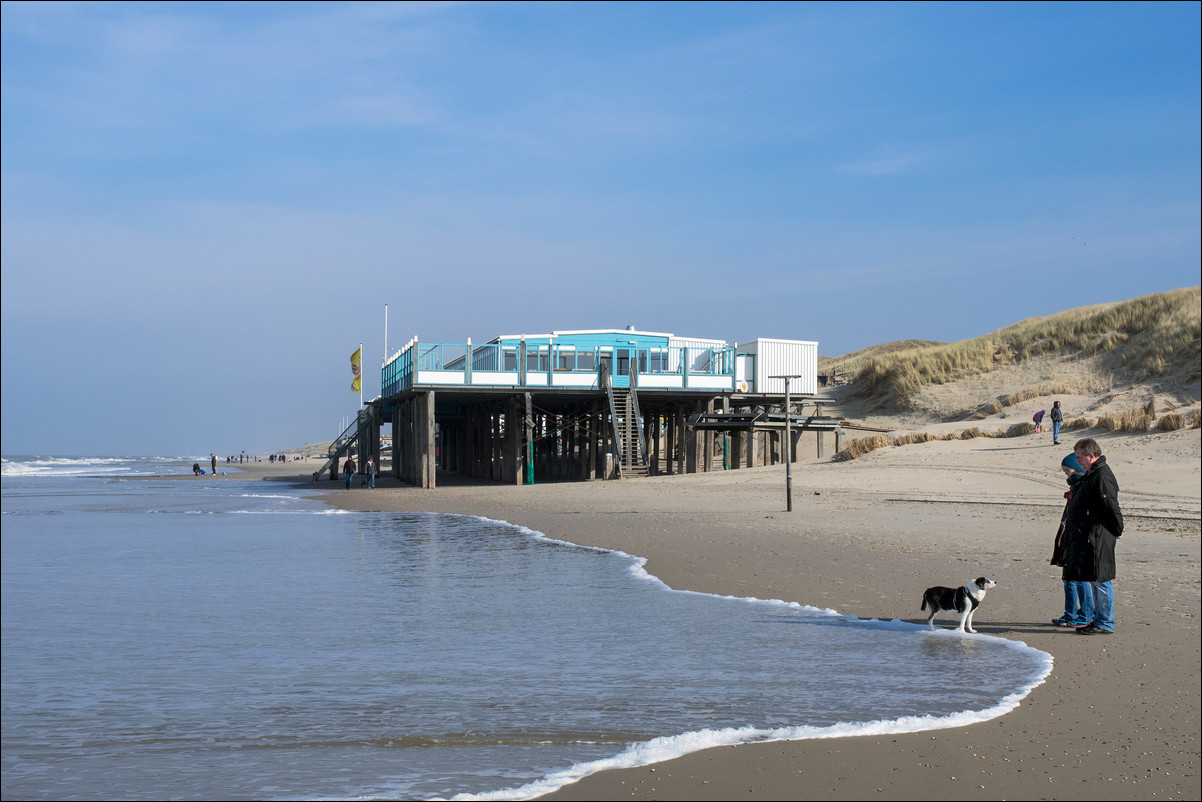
(191, 638)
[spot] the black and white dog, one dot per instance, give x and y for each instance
(964, 601)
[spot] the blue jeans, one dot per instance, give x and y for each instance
(371, 479)
(1078, 602)
(349, 476)
(1103, 605)
(1055, 431)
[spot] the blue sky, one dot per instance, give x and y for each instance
(207, 205)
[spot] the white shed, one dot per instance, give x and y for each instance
(778, 358)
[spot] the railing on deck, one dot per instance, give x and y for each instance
(555, 365)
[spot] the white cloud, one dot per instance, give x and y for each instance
(887, 165)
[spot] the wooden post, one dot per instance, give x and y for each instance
(691, 437)
(657, 430)
(672, 442)
(398, 440)
(432, 453)
(682, 440)
(528, 442)
(818, 435)
(513, 441)
(590, 444)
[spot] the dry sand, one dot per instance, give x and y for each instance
(1118, 718)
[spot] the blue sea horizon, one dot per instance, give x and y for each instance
(233, 639)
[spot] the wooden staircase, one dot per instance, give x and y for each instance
(628, 431)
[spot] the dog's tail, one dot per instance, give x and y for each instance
(924, 603)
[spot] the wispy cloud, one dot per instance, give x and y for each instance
(897, 164)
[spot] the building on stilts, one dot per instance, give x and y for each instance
(590, 404)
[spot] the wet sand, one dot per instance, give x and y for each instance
(1118, 718)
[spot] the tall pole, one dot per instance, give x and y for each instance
(788, 449)
(385, 334)
(361, 375)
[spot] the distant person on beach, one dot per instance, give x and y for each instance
(213, 459)
(196, 469)
(1094, 525)
(1057, 417)
(348, 468)
(370, 467)
(1078, 596)
(1038, 418)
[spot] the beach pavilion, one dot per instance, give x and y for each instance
(589, 404)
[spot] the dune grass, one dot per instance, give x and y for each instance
(851, 363)
(861, 446)
(1140, 419)
(1152, 335)
(1177, 420)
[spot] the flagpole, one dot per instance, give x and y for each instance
(385, 337)
(360, 375)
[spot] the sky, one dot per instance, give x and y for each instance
(206, 206)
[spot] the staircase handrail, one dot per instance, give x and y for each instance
(638, 416)
(606, 381)
(341, 444)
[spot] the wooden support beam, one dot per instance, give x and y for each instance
(528, 430)
(513, 441)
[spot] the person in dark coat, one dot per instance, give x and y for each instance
(1057, 417)
(1094, 525)
(1078, 596)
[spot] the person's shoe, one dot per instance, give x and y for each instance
(1062, 621)
(1092, 630)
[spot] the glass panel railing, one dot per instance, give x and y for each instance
(399, 373)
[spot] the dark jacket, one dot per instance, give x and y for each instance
(1094, 523)
(1060, 544)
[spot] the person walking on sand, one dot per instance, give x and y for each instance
(1078, 596)
(1094, 525)
(348, 468)
(370, 467)
(1057, 416)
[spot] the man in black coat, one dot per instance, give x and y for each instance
(1094, 525)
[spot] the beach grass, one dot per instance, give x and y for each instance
(1154, 335)
(1131, 421)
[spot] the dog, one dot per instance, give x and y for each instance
(964, 601)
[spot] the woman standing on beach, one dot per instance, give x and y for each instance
(1078, 595)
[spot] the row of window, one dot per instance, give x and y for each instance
(649, 360)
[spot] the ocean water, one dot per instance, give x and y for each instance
(199, 639)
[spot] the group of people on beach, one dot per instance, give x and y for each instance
(369, 469)
(1090, 527)
(1057, 419)
(199, 471)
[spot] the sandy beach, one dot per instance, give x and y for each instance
(1118, 718)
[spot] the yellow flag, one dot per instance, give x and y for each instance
(356, 359)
